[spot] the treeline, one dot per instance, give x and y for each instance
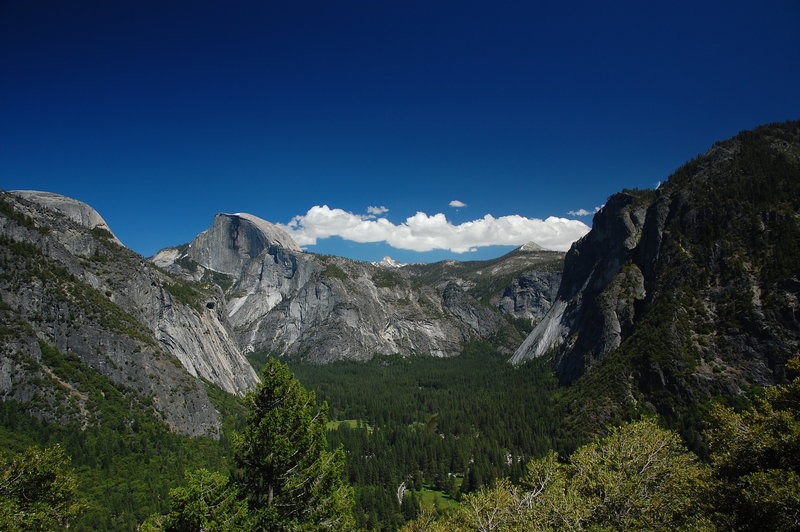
(124, 466)
(283, 478)
(449, 426)
(641, 477)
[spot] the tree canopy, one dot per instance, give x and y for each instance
(639, 477)
(288, 475)
(286, 478)
(38, 491)
(755, 464)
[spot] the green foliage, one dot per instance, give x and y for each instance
(386, 279)
(125, 465)
(187, 263)
(639, 477)
(29, 265)
(440, 425)
(754, 454)
(38, 491)
(258, 359)
(224, 281)
(8, 210)
(101, 233)
(209, 501)
(286, 478)
(106, 402)
(21, 249)
(290, 479)
(187, 293)
(332, 271)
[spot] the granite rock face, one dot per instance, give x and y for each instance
(79, 291)
(75, 210)
(321, 308)
(595, 296)
(690, 290)
(530, 295)
(286, 302)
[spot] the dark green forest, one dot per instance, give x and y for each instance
(447, 437)
(438, 427)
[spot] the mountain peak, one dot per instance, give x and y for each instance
(272, 234)
(388, 262)
(77, 211)
(234, 239)
(531, 246)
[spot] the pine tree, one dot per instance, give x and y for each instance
(289, 477)
(38, 491)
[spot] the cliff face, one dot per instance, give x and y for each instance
(286, 302)
(521, 284)
(594, 306)
(691, 290)
(68, 284)
(283, 301)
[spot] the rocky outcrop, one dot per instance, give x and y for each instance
(75, 210)
(290, 303)
(530, 295)
(691, 290)
(521, 284)
(77, 290)
(595, 297)
(286, 302)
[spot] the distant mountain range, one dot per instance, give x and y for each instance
(160, 328)
(675, 296)
(283, 301)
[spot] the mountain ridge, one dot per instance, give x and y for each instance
(687, 292)
(75, 290)
(322, 308)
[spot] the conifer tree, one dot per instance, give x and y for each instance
(38, 491)
(289, 477)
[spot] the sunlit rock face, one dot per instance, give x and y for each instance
(322, 308)
(75, 210)
(82, 293)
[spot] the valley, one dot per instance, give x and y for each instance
(446, 386)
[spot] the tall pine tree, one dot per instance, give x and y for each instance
(289, 477)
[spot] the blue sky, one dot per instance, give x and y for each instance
(161, 114)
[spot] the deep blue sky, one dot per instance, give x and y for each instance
(161, 114)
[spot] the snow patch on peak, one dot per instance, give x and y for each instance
(531, 246)
(388, 262)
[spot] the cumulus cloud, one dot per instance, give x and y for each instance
(583, 212)
(377, 211)
(456, 203)
(422, 232)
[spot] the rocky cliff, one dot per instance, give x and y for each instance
(322, 308)
(521, 284)
(72, 293)
(689, 291)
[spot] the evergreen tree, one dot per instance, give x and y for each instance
(38, 491)
(209, 502)
(755, 463)
(289, 477)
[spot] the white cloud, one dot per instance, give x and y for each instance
(583, 212)
(456, 203)
(422, 232)
(377, 211)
